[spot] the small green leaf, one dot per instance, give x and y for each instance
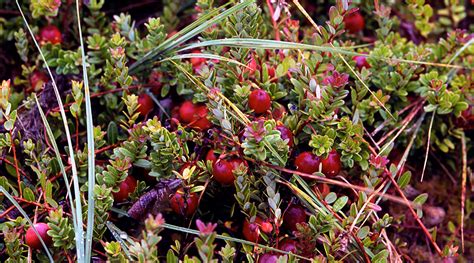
(28, 194)
(421, 199)
(112, 133)
(404, 180)
(340, 203)
(330, 198)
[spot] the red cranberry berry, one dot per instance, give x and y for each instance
(32, 240)
(286, 134)
(288, 245)
(125, 189)
(37, 80)
(259, 101)
(187, 111)
(184, 204)
(331, 166)
(251, 231)
(307, 162)
(146, 104)
(294, 215)
(354, 22)
(211, 156)
(200, 120)
(222, 172)
(268, 258)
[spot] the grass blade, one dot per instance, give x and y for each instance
(428, 142)
(23, 213)
(275, 44)
(189, 32)
(79, 231)
(90, 147)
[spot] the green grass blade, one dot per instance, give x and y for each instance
(17, 205)
(203, 55)
(189, 32)
(90, 147)
(79, 231)
(52, 140)
(253, 43)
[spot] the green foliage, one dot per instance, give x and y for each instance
(61, 231)
(166, 149)
(45, 8)
(258, 135)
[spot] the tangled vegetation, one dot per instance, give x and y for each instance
(236, 131)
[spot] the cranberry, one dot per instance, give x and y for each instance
(187, 111)
(259, 101)
(146, 104)
(286, 134)
(125, 189)
(155, 81)
(354, 22)
(197, 62)
(37, 80)
(268, 258)
(361, 62)
(50, 34)
(222, 172)
(200, 120)
(331, 164)
(32, 240)
(251, 231)
(322, 188)
(295, 214)
(307, 162)
(288, 245)
(211, 156)
(184, 204)
(278, 112)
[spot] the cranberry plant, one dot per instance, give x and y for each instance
(298, 131)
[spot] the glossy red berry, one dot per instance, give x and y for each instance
(288, 245)
(156, 81)
(286, 134)
(307, 162)
(145, 103)
(268, 258)
(354, 22)
(197, 62)
(125, 189)
(200, 120)
(211, 156)
(184, 204)
(50, 34)
(251, 231)
(37, 80)
(331, 166)
(187, 111)
(361, 62)
(32, 240)
(295, 214)
(222, 172)
(259, 101)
